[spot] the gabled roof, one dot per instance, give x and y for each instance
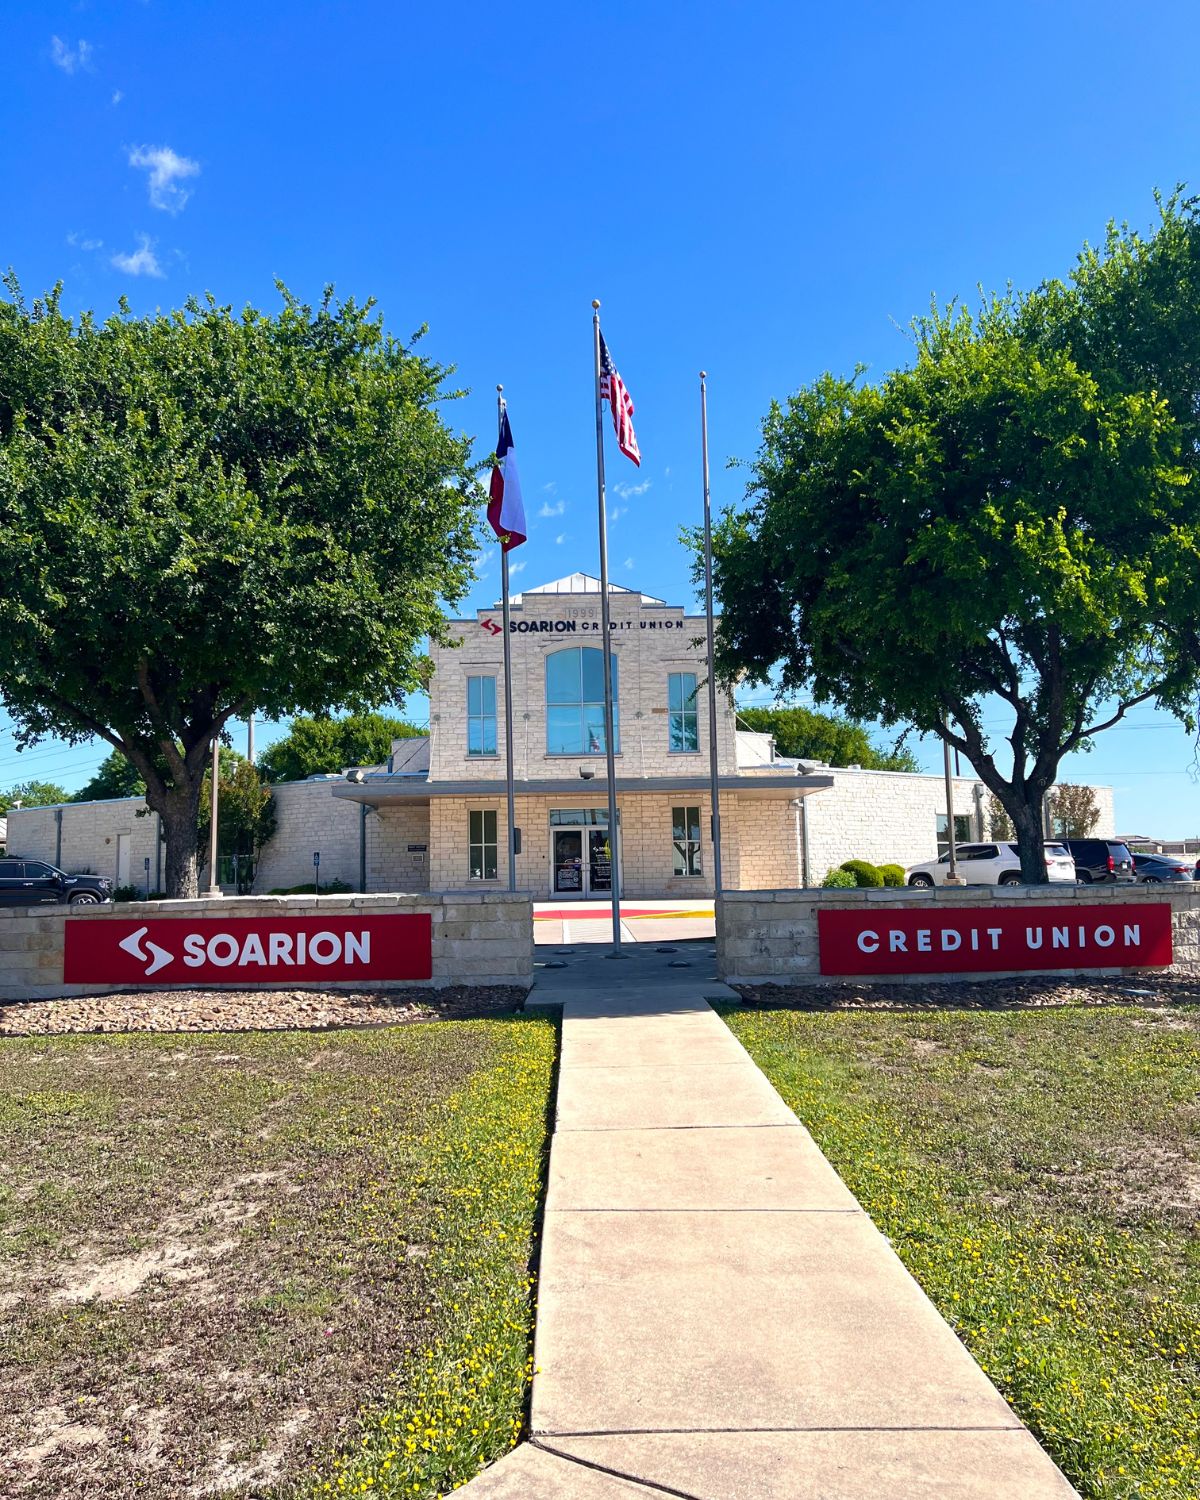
(582, 583)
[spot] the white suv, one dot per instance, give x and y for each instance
(992, 864)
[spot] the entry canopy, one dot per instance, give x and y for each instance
(378, 789)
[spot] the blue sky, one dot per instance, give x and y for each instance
(762, 190)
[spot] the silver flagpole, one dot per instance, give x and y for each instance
(508, 732)
(708, 616)
(610, 764)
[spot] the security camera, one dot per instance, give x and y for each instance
(356, 776)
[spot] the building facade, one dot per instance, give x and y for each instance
(435, 818)
(456, 803)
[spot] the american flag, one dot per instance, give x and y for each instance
(612, 390)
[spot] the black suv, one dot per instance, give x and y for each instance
(1101, 861)
(29, 882)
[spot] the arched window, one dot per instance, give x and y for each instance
(575, 702)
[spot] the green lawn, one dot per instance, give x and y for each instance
(1039, 1173)
(260, 1264)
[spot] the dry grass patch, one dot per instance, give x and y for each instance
(219, 1252)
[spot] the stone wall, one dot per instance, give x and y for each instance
(770, 936)
(308, 819)
(890, 817)
(758, 841)
(85, 838)
(479, 937)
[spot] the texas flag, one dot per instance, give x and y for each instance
(506, 510)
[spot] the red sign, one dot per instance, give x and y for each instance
(273, 951)
(986, 939)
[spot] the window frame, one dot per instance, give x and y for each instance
(685, 850)
(942, 827)
(482, 718)
(683, 716)
(589, 710)
(483, 843)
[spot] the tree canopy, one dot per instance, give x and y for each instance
(33, 794)
(316, 745)
(1014, 517)
(805, 734)
(115, 777)
(204, 513)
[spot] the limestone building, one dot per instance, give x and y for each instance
(435, 816)
(456, 804)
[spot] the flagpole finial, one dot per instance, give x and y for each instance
(703, 374)
(596, 303)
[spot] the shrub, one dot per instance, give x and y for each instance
(865, 874)
(892, 874)
(839, 880)
(127, 893)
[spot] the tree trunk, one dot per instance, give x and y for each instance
(1026, 817)
(179, 811)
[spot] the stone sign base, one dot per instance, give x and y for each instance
(264, 942)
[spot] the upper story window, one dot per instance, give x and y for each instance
(681, 706)
(575, 702)
(481, 716)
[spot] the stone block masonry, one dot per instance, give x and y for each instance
(482, 938)
(771, 936)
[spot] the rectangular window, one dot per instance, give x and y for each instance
(963, 833)
(685, 840)
(575, 702)
(681, 706)
(482, 862)
(481, 716)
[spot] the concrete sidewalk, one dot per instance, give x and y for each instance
(717, 1317)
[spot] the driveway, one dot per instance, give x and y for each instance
(566, 923)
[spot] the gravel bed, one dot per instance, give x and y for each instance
(983, 994)
(254, 1010)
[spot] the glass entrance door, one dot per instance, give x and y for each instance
(567, 845)
(599, 862)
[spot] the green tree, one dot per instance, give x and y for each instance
(204, 513)
(806, 734)
(246, 813)
(114, 778)
(313, 746)
(33, 794)
(999, 823)
(1014, 517)
(1073, 811)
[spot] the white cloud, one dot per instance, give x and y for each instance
(552, 510)
(548, 489)
(628, 564)
(617, 511)
(62, 56)
(560, 538)
(73, 239)
(140, 262)
(514, 568)
(117, 96)
(628, 491)
(166, 168)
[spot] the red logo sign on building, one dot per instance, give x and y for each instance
(272, 951)
(985, 939)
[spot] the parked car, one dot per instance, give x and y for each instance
(1101, 861)
(991, 864)
(30, 882)
(1153, 869)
